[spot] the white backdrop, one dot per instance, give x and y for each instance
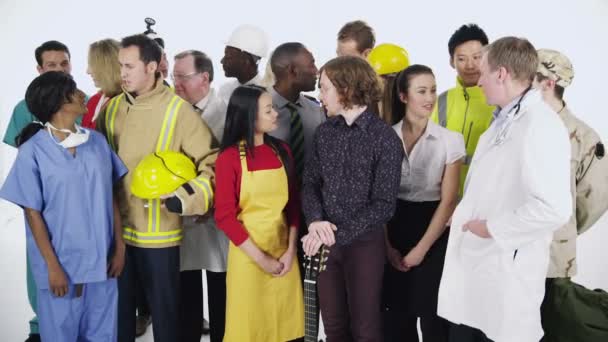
(577, 28)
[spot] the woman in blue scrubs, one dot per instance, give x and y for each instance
(63, 178)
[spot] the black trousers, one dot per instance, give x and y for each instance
(216, 294)
(400, 327)
(143, 309)
(464, 333)
(191, 307)
(158, 271)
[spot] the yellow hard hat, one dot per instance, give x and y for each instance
(388, 59)
(161, 173)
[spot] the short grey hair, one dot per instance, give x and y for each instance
(202, 62)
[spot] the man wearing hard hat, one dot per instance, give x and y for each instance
(143, 124)
(244, 49)
(464, 109)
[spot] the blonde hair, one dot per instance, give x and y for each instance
(103, 63)
(517, 55)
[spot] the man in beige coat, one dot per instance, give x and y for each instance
(148, 118)
(589, 169)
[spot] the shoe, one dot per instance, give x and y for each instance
(33, 338)
(141, 324)
(205, 327)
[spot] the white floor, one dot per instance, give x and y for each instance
(15, 311)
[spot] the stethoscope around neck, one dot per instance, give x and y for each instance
(512, 115)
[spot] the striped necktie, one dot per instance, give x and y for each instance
(296, 140)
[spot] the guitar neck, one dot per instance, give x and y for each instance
(311, 313)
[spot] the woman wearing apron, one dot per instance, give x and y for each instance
(416, 237)
(257, 206)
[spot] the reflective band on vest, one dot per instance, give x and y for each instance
(153, 234)
(442, 109)
(168, 127)
(130, 234)
(110, 118)
(203, 183)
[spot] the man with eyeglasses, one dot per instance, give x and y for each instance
(245, 48)
(204, 246)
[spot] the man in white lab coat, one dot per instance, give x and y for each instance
(204, 246)
(516, 195)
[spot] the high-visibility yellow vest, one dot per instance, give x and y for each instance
(464, 110)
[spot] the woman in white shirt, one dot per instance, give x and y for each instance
(417, 235)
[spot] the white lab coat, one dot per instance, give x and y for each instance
(522, 188)
(204, 246)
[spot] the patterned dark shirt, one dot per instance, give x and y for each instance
(352, 177)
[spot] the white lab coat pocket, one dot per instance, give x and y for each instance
(475, 251)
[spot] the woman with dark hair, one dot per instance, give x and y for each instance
(417, 235)
(63, 178)
(257, 206)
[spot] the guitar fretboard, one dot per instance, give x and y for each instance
(311, 315)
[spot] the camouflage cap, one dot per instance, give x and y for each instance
(556, 66)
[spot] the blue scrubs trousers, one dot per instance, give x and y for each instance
(92, 317)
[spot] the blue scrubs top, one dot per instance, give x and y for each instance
(74, 195)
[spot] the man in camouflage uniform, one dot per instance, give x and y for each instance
(589, 170)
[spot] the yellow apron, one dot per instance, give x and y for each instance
(259, 306)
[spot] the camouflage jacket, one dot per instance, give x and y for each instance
(589, 187)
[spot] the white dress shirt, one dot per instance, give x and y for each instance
(422, 170)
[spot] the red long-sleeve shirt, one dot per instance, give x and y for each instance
(87, 119)
(228, 188)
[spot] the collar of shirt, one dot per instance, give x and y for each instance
(159, 87)
(202, 104)
(257, 80)
(500, 113)
(472, 92)
(362, 121)
(280, 102)
(431, 130)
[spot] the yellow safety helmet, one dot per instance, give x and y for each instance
(388, 59)
(161, 173)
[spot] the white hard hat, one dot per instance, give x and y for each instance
(250, 39)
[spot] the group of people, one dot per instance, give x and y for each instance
(458, 210)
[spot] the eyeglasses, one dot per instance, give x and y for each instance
(183, 78)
